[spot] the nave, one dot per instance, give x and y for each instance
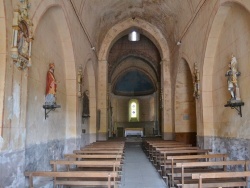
(137, 170)
(146, 163)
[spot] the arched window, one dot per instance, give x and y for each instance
(133, 110)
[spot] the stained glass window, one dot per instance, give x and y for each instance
(133, 110)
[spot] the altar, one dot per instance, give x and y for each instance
(133, 132)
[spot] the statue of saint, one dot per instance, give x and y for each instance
(232, 82)
(196, 82)
(23, 40)
(51, 85)
(85, 110)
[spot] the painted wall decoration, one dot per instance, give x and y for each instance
(134, 83)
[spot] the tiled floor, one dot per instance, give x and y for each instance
(138, 171)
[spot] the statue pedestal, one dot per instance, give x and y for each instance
(235, 104)
(49, 108)
(237, 94)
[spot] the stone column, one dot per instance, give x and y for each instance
(109, 111)
(166, 121)
(102, 103)
(157, 107)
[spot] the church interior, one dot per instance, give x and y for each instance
(157, 69)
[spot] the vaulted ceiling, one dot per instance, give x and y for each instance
(171, 17)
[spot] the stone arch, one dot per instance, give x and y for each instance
(157, 38)
(60, 37)
(212, 43)
(215, 66)
(185, 111)
(3, 54)
(150, 31)
(89, 69)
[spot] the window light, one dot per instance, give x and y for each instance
(134, 36)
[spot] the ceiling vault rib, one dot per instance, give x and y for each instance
(191, 21)
(84, 29)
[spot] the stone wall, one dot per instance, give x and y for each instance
(34, 158)
(147, 110)
(27, 140)
(233, 40)
(185, 114)
(236, 148)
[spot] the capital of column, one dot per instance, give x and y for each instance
(102, 61)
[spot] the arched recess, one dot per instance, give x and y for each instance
(69, 61)
(57, 133)
(212, 43)
(185, 111)
(3, 38)
(229, 35)
(157, 38)
(90, 123)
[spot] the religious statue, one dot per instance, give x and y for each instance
(22, 36)
(51, 85)
(23, 40)
(232, 81)
(79, 81)
(196, 82)
(85, 110)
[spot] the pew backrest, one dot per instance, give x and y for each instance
(216, 175)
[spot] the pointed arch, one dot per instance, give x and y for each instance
(149, 30)
(157, 38)
(92, 100)
(185, 111)
(3, 54)
(223, 39)
(67, 86)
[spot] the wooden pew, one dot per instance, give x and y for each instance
(197, 167)
(153, 151)
(157, 151)
(154, 147)
(115, 165)
(89, 178)
(102, 147)
(172, 160)
(148, 144)
(94, 156)
(219, 175)
(99, 151)
(161, 157)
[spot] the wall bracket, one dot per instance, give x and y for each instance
(84, 117)
(49, 108)
(235, 105)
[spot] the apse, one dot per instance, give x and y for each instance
(134, 83)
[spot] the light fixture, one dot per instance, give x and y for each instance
(134, 36)
(178, 43)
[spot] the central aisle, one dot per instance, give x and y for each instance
(138, 172)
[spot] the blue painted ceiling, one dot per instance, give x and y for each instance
(134, 83)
